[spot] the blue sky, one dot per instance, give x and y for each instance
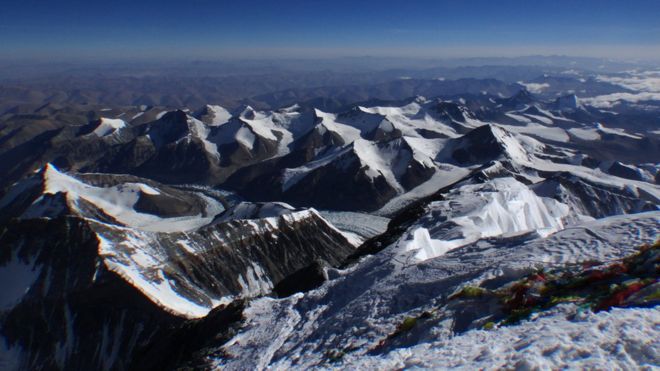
(288, 28)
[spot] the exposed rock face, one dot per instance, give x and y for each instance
(74, 279)
(624, 171)
(567, 103)
(305, 279)
(70, 257)
(103, 319)
(358, 176)
(224, 260)
(595, 200)
(480, 147)
(109, 271)
(519, 100)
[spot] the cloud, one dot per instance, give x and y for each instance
(534, 87)
(644, 84)
(610, 100)
(646, 81)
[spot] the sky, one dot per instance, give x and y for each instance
(197, 29)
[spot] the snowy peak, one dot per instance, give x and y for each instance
(596, 199)
(108, 126)
(235, 131)
(499, 207)
(627, 171)
(484, 144)
(124, 286)
(169, 128)
(103, 127)
(384, 131)
(381, 170)
(362, 119)
(449, 111)
(519, 100)
(246, 112)
(35, 197)
(319, 137)
(213, 115)
(253, 244)
(114, 199)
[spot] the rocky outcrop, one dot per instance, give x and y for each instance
(595, 200)
(86, 284)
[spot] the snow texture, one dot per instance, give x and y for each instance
(119, 201)
(108, 126)
(500, 207)
(361, 306)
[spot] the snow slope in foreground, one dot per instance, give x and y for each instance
(362, 306)
(564, 336)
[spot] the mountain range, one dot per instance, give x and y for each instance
(146, 237)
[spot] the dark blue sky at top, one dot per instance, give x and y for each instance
(244, 28)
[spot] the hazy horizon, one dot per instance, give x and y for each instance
(74, 30)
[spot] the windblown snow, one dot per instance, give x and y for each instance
(500, 207)
(353, 313)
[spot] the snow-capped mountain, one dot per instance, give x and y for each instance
(298, 238)
(73, 242)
